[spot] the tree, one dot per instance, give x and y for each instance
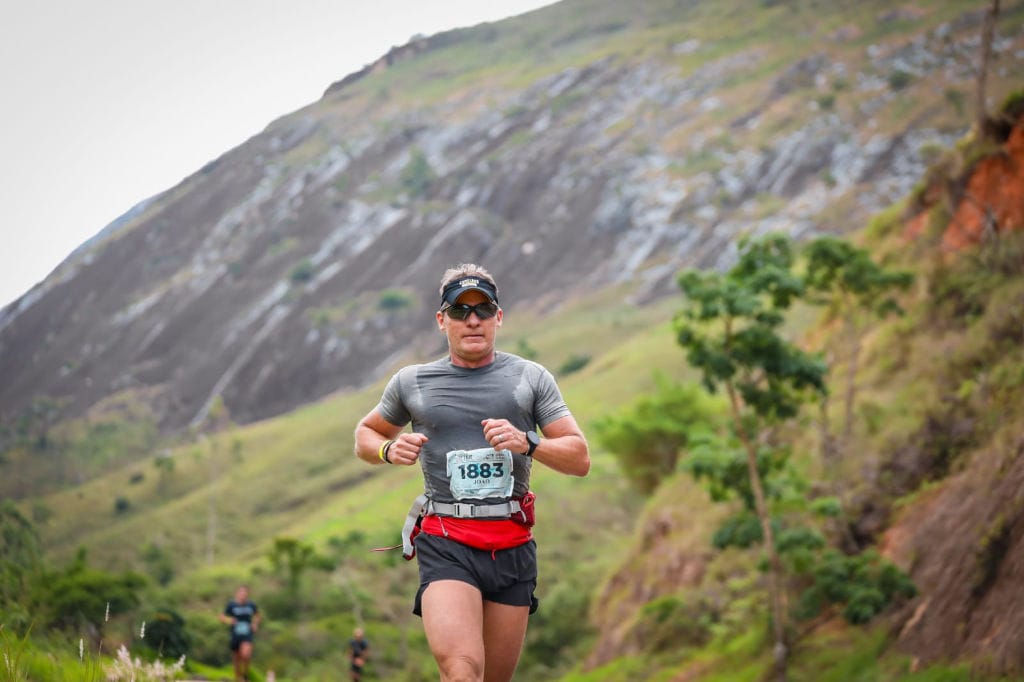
(846, 279)
(291, 558)
(730, 329)
(987, 31)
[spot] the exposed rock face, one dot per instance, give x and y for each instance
(262, 277)
(964, 546)
(993, 200)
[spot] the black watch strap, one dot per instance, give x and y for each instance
(534, 440)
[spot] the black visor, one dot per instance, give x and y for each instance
(459, 286)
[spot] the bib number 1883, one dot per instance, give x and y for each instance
(485, 470)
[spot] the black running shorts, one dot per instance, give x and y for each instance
(506, 576)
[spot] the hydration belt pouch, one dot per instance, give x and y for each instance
(522, 510)
(527, 514)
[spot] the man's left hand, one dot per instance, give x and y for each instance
(502, 435)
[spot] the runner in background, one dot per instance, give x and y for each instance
(359, 649)
(244, 618)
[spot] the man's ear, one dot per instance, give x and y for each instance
(440, 321)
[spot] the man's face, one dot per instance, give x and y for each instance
(241, 595)
(471, 341)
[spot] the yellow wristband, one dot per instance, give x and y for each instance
(382, 452)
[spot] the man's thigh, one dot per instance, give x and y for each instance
(504, 634)
(453, 622)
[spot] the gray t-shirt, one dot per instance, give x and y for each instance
(447, 404)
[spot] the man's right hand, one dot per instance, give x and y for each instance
(406, 448)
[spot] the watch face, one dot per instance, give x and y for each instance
(534, 440)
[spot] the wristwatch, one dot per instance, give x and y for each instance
(534, 440)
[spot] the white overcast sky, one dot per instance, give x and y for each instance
(107, 102)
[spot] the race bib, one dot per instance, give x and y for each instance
(242, 628)
(480, 474)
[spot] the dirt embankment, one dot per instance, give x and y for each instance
(989, 199)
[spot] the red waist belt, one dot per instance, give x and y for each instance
(489, 535)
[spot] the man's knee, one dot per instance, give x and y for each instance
(460, 668)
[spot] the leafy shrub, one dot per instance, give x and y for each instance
(122, 505)
(79, 594)
(646, 438)
(957, 99)
(302, 273)
(1013, 106)
(208, 639)
(899, 79)
(166, 634)
(525, 350)
(560, 622)
(864, 584)
(741, 530)
(670, 622)
(573, 363)
(394, 299)
(417, 174)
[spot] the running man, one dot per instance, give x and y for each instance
(244, 618)
(474, 416)
(359, 649)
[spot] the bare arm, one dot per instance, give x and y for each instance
(373, 431)
(563, 448)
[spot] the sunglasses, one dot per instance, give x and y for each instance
(461, 311)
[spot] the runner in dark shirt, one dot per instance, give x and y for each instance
(359, 648)
(244, 618)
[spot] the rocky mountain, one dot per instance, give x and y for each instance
(585, 145)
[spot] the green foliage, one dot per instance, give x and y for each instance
(741, 530)
(79, 594)
(573, 363)
(290, 559)
(524, 350)
(1012, 107)
(863, 584)
(745, 351)
(417, 175)
(826, 506)
(158, 563)
(166, 634)
(208, 639)
(721, 464)
(20, 564)
(302, 273)
(671, 622)
(560, 624)
(122, 505)
(956, 99)
(392, 300)
(837, 268)
(899, 79)
(646, 437)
